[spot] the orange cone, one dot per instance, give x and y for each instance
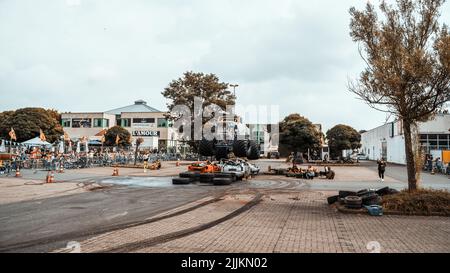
(178, 163)
(115, 171)
(47, 178)
(18, 172)
(52, 177)
(61, 169)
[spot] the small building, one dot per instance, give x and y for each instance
(139, 119)
(387, 141)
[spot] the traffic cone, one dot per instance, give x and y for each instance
(178, 163)
(47, 178)
(52, 177)
(61, 169)
(18, 172)
(115, 171)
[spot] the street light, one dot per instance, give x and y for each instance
(234, 88)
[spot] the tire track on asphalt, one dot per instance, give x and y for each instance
(135, 246)
(97, 231)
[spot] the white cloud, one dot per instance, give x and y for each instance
(94, 55)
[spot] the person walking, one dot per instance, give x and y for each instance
(381, 169)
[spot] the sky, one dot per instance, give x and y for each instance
(96, 55)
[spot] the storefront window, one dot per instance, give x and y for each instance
(101, 122)
(81, 123)
(65, 122)
(162, 123)
(125, 122)
(143, 120)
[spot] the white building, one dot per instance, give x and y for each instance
(388, 142)
(139, 119)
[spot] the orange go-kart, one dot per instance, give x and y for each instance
(204, 167)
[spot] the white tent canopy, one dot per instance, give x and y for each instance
(36, 142)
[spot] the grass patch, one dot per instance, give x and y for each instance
(423, 201)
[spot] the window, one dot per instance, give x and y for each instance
(101, 122)
(125, 122)
(143, 120)
(81, 123)
(65, 122)
(162, 123)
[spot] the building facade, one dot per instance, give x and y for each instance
(139, 119)
(388, 141)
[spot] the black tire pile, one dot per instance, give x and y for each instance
(355, 200)
(221, 179)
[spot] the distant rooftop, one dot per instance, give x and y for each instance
(139, 106)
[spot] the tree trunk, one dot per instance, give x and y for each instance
(135, 154)
(410, 164)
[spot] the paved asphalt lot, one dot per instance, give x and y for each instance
(45, 224)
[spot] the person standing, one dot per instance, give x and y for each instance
(381, 169)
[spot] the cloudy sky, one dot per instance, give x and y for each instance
(95, 55)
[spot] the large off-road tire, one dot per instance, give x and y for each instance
(221, 153)
(206, 177)
(343, 194)
(193, 176)
(240, 148)
(222, 181)
(206, 147)
(253, 152)
(371, 199)
(181, 181)
(353, 202)
(332, 199)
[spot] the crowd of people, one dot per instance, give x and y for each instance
(50, 159)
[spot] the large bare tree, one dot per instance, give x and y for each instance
(407, 56)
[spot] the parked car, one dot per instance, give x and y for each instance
(361, 157)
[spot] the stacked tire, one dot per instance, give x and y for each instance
(353, 202)
(206, 177)
(186, 178)
(224, 179)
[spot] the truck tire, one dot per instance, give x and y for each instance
(206, 177)
(222, 181)
(371, 199)
(253, 151)
(332, 199)
(353, 202)
(194, 176)
(343, 194)
(383, 191)
(240, 148)
(221, 153)
(181, 181)
(206, 147)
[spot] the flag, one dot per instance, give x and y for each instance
(117, 139)
(41, 135)
(66, 136)
(12, 134)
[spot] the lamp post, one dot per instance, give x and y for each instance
(234, 88)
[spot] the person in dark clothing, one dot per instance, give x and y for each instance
(381, 168)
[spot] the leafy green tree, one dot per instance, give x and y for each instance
(298, 134)
(111, 136)
(28, 121)
(342, 137)
(407, 57)
(206, 86)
